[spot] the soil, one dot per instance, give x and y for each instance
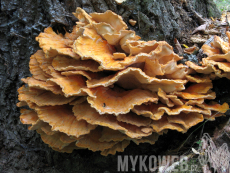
(21, 21)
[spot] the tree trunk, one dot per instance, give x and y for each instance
(22, 150)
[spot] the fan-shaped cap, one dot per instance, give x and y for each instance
(52, 140)
(136, 47)
(111, 35)
(30, 117)
(36, 70)
(180, 72)
(34, 83)
(110, 18)
(215, 107)
(184, 108)
(92, 46)
(192, 96)
(119, 147)
(42, 97)
(164, 53)
(26, 103)
(220, 57)
(163, 124)
(91, 141)
(88, 74)
(44, 63)
(134, 119)
(73, 35)
(221, 44)
(194, 102)
(199, 79)
(48, 130)
(64, 63)
(78, 100)
(71, 85)
(164, 99)
(61, 118)
(200, 69)
(210, 50)
(187, 120)
(119, 101)
(53, 44)
(149, 110)
(135, 78)
(201, 88)
(151, 139)
(225, 66)
(85, 112)
(109, 134)
(153, 72)
(68, 149)
(82, 16)
(68, 139)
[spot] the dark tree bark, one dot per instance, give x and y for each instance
(207, 8)
(21, 21)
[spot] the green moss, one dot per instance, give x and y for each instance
(213, 11)
(223, 4)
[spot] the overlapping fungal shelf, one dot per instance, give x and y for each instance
(100, 87)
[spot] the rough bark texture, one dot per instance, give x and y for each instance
(207, 8)
(21, 21)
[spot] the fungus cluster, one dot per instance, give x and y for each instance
(217, 64)
(100, 87)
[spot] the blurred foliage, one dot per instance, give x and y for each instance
(223, 5)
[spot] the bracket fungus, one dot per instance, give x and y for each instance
(100, 87)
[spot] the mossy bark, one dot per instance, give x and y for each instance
(22, 150)
(206, 8)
